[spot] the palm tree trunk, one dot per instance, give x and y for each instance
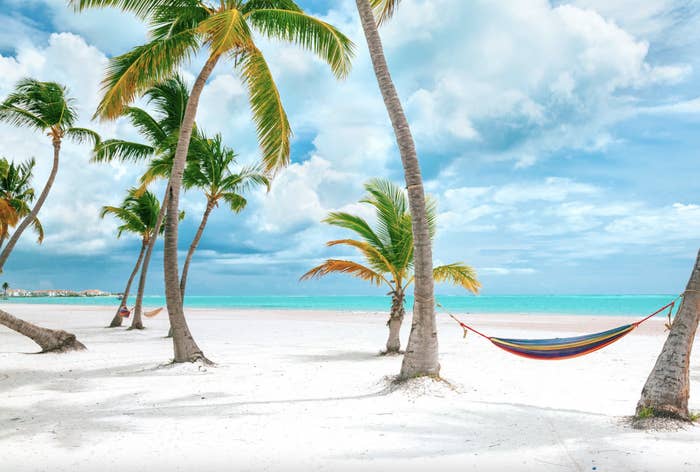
(193, 247)
(184, 346)
(117, 320)
(138, 307)
(667, 389)
(35, 211)
(48, 339)
(136, 320)
(422, 351)
(393, 344)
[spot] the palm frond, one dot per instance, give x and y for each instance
(458, 273)
(83, 135)
(357, 224)
(252, 5)
(336, 266)
(273, 129)
(315, 35)
(375, 258)
(38, 229)
(132, 73)
(384, 9)
(146, 124)
(226, 31)
(236, 202)
(16, 116)
(124, 151)
(140, 8)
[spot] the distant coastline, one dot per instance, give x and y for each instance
(22, 293)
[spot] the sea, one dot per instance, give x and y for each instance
(599, 305)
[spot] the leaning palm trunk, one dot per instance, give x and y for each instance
(184, 346)
(422, 351)
(138, 307)
(117, 320)
(48, 339)
(32, 216)
(393, 344)
(193, 247)
(667, 389)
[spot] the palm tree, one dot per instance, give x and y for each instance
(5, 288)
(388, 251)
(160, 131)
(210, 170)
(667, 389)
(422, 351)
(138, 214)
(16, 195)
(179, 30)
(44, 107)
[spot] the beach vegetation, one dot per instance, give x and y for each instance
(387, 250)
(221, 31)
(47, 108)
(137, 214)
(159, 128)
(667, 388)
(422, 351)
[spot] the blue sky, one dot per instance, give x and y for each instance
(559, 138)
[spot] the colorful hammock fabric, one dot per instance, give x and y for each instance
(563, 348)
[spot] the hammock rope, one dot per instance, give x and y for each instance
(561, 348)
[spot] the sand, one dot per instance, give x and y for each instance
(306, 391)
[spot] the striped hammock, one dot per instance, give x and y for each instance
(562, 348)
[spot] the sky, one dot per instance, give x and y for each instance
(559, 139)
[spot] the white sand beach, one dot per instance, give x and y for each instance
(306, 391)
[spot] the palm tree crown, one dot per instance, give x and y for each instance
(45, 107)
(179, 29)
(210, 168)
(138, 214)
(16, 195)
(159, 128)
(388, 247)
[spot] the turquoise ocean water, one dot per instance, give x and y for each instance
(633, 305)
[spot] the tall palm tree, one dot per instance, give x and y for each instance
(160, 131)
(667, 389)
(44, 107)
(388, 251)
(16, 196)
(138, 214)
(422, 351)
(210, 169)
(181, 29)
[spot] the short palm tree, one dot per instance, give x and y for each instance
(5, 288)
(210, 170)
(44, 107)
(388, 251)
(138, 215)
(667, 388)
(160, 130)
(16, 196)
(422, 350)
(180, 29)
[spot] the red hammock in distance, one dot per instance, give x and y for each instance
(563, 348)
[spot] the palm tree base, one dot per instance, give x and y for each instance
(138, 326)
(392, 352)
(63, 342)
(671, 412)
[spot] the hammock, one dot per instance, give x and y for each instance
(151, 314)
(562, 348)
